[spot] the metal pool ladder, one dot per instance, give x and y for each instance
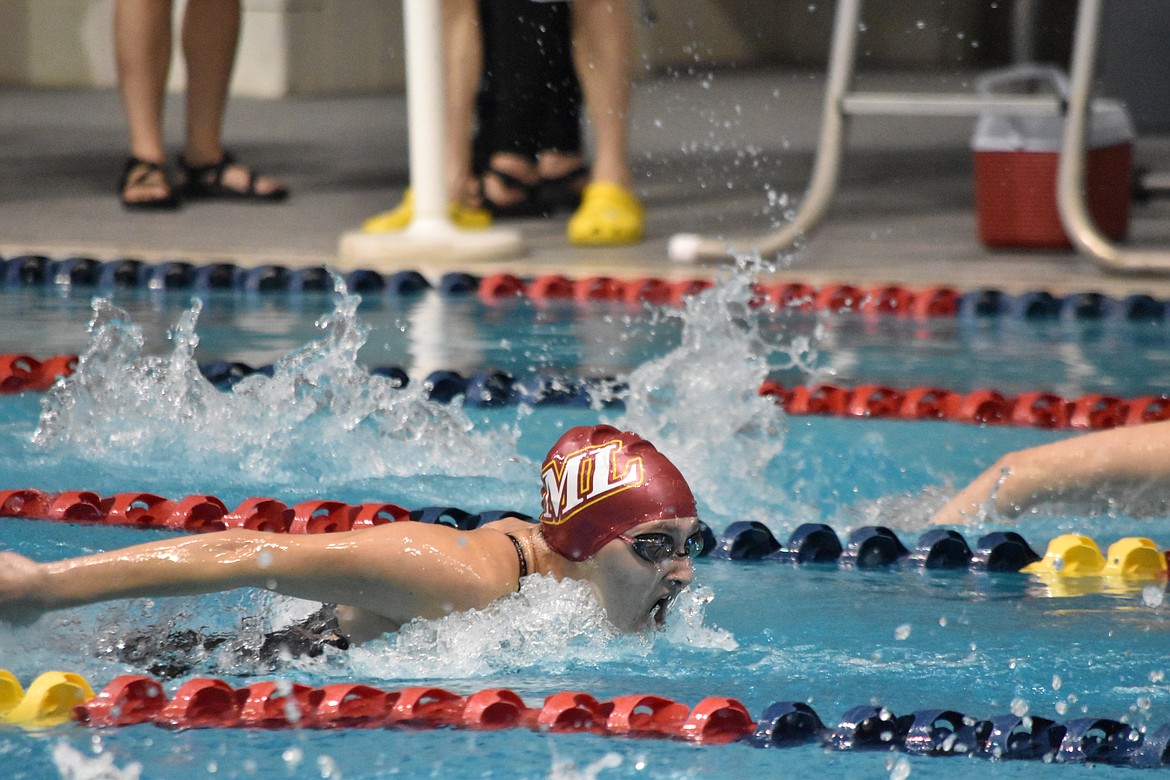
(840, 103)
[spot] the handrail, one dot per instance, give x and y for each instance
(1070, 180)
(840, 103)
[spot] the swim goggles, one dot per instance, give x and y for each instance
(657, 548)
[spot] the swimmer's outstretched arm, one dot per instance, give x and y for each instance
(1130, 465)
(398, 571)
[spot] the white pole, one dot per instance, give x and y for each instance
(431, 235)
(424, 103)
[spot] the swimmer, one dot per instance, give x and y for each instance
(1123, 468)
(615, 513)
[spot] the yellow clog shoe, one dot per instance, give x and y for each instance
(609, 215)
(400, 217)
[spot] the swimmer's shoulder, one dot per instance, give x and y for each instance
(512, 524)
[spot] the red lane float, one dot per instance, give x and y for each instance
(644, 716)
(128, 700)
(20, 373)
(930, 403)
(653, 291)
(272, 705)
(838, 298)
(205, 702)
(261, 514)
(598, 288)
(896, 301)
(496, 708)
(983, 406)
(351, 705)
(550, 286)
(570, 711)
(497, 287)
(201, 702)
(196, 513)
(1148, 408)
(679, 291)
(886, 300)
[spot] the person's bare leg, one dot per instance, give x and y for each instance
(463, 64)
(142, 47)
(603, 51)
(603, 36)
(210, 36)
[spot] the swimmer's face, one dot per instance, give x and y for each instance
(634, 591)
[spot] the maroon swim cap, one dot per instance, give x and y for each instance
(598, 482)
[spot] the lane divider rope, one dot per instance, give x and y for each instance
(34, 270)
(56, 697)
(984, 406)
(867, 547)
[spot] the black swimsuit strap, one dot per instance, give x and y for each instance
(520, 554)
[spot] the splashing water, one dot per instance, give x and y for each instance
(568, 770)
(72, 765)
(548, 625)
(699, 404)
(320, 417)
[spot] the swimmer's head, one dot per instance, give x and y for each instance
(598, 482)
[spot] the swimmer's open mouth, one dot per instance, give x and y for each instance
(658, 611)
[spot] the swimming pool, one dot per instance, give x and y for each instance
(323, 427)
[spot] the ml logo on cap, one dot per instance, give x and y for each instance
(584, 477)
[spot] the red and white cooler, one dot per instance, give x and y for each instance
(1016, 162)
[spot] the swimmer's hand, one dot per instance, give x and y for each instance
(21, 589)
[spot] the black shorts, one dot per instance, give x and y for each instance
(178, 652)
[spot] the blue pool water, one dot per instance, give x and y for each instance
(139, 417)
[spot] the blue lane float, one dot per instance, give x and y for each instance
(873, 547)
(1002, 551)
(788, 723)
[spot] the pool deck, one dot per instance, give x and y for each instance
(723, 153)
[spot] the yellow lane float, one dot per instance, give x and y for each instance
(48, 702)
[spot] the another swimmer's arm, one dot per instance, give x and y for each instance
(1091, 469)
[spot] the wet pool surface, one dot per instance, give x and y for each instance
(759, 632)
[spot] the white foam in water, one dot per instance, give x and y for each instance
(568, 770)
(320, 416)
(73, 765)
(547, 625)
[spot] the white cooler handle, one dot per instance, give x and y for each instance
(1023, 74)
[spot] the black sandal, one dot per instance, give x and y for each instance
(527, 206)
(206, 181)
(130, 179)
(562, 194)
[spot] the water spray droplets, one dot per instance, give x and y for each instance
(320, 415)
(708, 384)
